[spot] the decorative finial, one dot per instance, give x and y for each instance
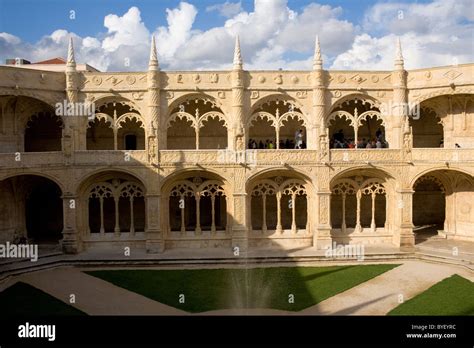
(153, 63)
(398, 54)
(237, 54)
(317, 59)
(71, 61)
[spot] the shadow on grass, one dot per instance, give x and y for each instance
(22, 299)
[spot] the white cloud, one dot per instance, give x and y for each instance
(265, 43)
(122, 31)
(171, 38)
(432, 34)
(226, 9)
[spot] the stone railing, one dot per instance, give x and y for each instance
(31, 159)
(110, 157)
(172, 157)
(223, 157)
(364, 155)
(249, 157)
(442, 155)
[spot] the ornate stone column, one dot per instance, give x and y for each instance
(316, 134)
(240, 214)
(154, 237)
(153, 119)
(236, 132)
(399, 108)
(322, 200)
(71, 122)
(75, 126)
(71, 241)
(403, 230)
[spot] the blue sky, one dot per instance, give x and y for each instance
(274, 33)
(45, 16)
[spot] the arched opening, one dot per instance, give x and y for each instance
(276, 123)
(279, 206)
(32, 210)
(427, 129)
(356, 122)
(443, 206)
(261, 134)
(196, 123)
(114, 206)
(290, 131)
(181, 135)
(341, 133)
(359, 201)
(131, 135)
(197, 205)
(100, 135)
(43, 132)
(213, 134)
(429, 207)
(113, 122)
(372, 129)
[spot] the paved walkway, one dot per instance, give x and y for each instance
(93, 295)
(381, 294)
(374, 297)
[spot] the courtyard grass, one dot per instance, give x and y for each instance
(212, 289)
(22, 299)
(451, 296)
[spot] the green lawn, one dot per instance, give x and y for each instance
(25, 300)
(451, 296)
(210, 289)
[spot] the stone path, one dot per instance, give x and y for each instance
(374, 297)
(381, 294)
(93, 295)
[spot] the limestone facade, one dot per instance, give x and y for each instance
(165, 163)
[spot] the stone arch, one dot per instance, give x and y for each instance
(115, 119)
(443, 120)
(43, 132)
(468, 173)
(363, 98)
(360, 200)
(195, 203)
(50, 98)
(282, 171)
(282, 113)
(32, 121)
(356, 121)
(442, 204)
(441, 92)
(279, 202)
(104, 99)
(31, 208)
(189, 172)
(198, 125)
(112, 206)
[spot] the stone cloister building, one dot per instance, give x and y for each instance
(163, 162)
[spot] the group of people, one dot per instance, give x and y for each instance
(339, 141)
(297, 143)
(270, 144)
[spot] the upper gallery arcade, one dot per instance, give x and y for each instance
(351, 151)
